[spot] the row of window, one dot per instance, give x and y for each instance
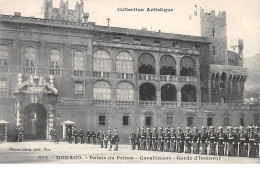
(169, 121)
(102, 61)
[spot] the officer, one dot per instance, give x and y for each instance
(252, 143)
(188, 138)
(204, 140)
(155, 139)
(101, 138)
(109, 139)
(69, 136)
(55, 136)
(236, 141)
(243, 144)
(161, 139)
(81, 136)
(98, 137)
(257, 132)
(88, 135)
(138, 138)
(143, 139)
(212, 141)
(179, 140)
(105, 139)
(19, 134)
(132, 138)
(148, 139)
(230, 141)
(93, 136)
(221, 140)
(196, 141)
(167, 140)
(116, 139)
(51, 134)
(173, 140)
(75, 134)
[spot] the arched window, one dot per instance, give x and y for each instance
(102, 91)
(55, 58)
(187, 67)
(125, 92)
(146, 64)
(30, 57)
(223, 80)
(188, 93)
(4, 54)
(168, 93)
(167, 65)
(124, 63)
(78, 60)
(147, 92)
(102, 61)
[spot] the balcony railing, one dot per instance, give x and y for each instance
(189, 104)
(147, 77)
(147, 103)
(79, 73)
(55, 71)
(3, 93)
(169, 104)
(102, 102)
(168, 78)
(188, 79)
(125, 76)
(29, 70)
(101, 74)
(125, 103)
(4, 69)
(78, 96)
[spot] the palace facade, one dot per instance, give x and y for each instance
(64, 67)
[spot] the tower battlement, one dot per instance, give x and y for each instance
(212, 13)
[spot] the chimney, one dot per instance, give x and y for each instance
(108, 19)
(17, 14)
(85, 17)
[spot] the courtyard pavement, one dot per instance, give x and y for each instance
(29, 152)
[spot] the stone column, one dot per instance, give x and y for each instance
(178, 66)
(178, 97)
(18, 109)
(198, 96)
(158, 97)
(50, 120)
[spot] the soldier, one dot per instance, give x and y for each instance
(257, 140)
(109, 139)
(138, 138)
(81, 136)
(221, 140)
(98, 137)
(132, 138)
(19, 134)
(148, 139)
(88, 135)
(105, 139)
(230, 141)
(101, 138)
(155, 139)
(188, 138)
(51, 134)
(196, 141)
(167, 140)
(243, 144)
(212, 141)
(179, 140)
(93, 136)
(252, 143)
(69, 136)
(173, 140)
(236, 141)
(204, 140)
(116, 139)
(160, 139)
(75, 134)
(55, 136)
(143, 139)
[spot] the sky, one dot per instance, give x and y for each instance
(243, 16)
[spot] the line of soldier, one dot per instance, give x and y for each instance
(235, 142)
(102, 138)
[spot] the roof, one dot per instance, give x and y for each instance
(68, 122)
(92, 27)
(3, 122)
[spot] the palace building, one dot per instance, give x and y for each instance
(64, 67)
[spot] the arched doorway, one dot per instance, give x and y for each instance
(35, 122)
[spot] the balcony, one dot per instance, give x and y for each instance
(78, 96)
(125, 76)
(29, 70)
(147, 103)
(125, 103)
(101, 74)
(169, 104)
(4, 69)
(54, 71)
(147, 77)
(168, 78)
(79, 73)
(102, 102)
(189, 104)
(3, 93)
(188, 79)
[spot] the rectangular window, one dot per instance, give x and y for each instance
(117, 39)
(137, 40)
(148, 121)
(196, 46)
(125, 120)
(189, 121)
(170, 121)
(242, 121)
(176, 44)
(214, 50)
(3, 88)
(209, 121)
(102, 120)
(157, 42)
(79, 90)
(226, 121)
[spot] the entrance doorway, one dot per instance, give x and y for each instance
(35, 122)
